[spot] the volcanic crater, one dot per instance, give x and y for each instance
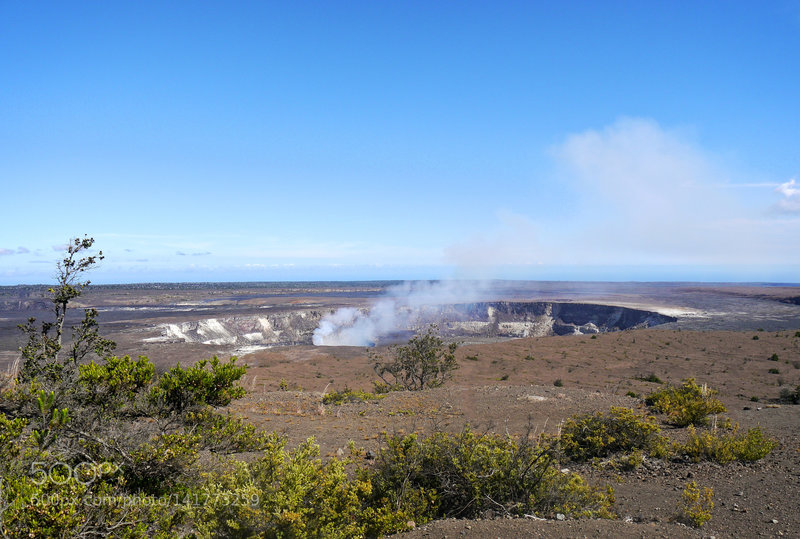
(473, 322)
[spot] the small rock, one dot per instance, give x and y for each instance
(562, 516)
(740, 493)
(774, 520)
(370, 455)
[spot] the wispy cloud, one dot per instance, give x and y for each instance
(791, 197)
(655, 197)
(5, 252)
(514, 240)
(639, 194)
(23, 250)
(202, 253)
(59, 248)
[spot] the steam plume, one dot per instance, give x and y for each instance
(401, 309)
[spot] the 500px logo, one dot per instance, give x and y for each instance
(60, 472)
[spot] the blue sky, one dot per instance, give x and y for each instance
(226, 141)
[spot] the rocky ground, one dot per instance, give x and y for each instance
(509, 387)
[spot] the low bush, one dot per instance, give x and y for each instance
(226, 433)
(602, 434)
(791, 396)
(115, 381)
(290, 494)
(623, 463)
(349, 395)
(652, 378)
(723, 447)
(695, 505)
(207, 382)
(468, 475)
(689, 404)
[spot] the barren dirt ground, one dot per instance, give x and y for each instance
(596, 374)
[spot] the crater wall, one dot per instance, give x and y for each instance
(501, 319)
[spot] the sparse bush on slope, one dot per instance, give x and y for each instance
(602, 434)
(690, 404)
(723, 447)
(468, 474)
(695, 505)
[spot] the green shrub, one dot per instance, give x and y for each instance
(632, 394)
(689, 404)
(349, 395)
(425, 362)
(558, 383)
(207, 382)
(724, 447)
(755, 337)
(774, 357)
(11, 431)
(695, 505)
(118, 380)
(601, 434)
(225, 433)
(162, 464)
(652, 378)
(624, 463)
(774, 371)
(290, 494)
(790, 395)
(468, 474)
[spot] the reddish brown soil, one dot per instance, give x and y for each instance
(596, 373)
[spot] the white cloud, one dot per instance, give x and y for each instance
(791, 194)
(636, 194)
(649, 196)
